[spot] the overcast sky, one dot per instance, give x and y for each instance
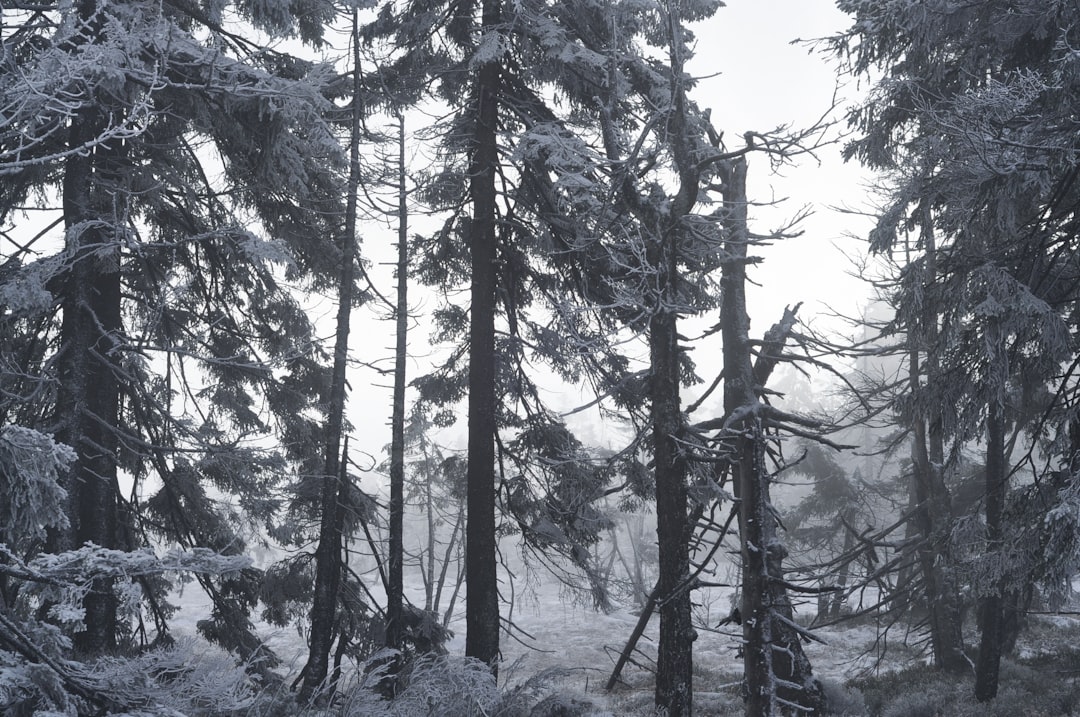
(764, 81)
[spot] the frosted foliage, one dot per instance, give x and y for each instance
(266, 251)
(1061, 537)
(463, 687)
(274, 16)
(492, 47)
(20, 680)
(31, 499)
(215, 9)
(191, 678)
(24, 291)
(565, 50)
(64, 579)
(565, 154)
(38, 102)
(92, 561)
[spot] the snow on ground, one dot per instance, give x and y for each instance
(555, 632)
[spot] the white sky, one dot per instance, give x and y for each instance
(766, 81)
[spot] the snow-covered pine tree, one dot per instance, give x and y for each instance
(968, 120)
(165, 180)
(524, 277)
(335, 490)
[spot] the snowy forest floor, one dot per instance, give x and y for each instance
(566, 648)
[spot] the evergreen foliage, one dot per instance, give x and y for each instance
(178, 181)
(175, 189)
(967, 121)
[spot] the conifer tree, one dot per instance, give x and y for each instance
(510, 268)
(148, 321)
(968, 126)
(334, 487)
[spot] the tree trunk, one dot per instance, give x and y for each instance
(429, 558)
(935, 511)
(946, 638)
(328, 553)
(775, 339)
(482, 596)
(674, 664)
(776, 671)
(990, 645)
(837, 606)
(88, 400)
(395, 576)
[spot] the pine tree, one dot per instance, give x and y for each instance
(334, 488)
(158, 322)
(968, 125)
(513, 263)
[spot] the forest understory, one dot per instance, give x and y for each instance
(564, 651)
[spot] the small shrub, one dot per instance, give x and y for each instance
(843, 700)
(436, 686)
(913, 705)
(879, 691)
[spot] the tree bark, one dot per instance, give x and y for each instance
(992, 623)
(395, 576)
(88, 401)
(674, 663)
(837, 606)
(482, 596)
(935, 505)
(328, 553)
(777, 673)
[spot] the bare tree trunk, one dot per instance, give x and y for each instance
(459, 578)
(482, 595)
(756, 523)
(777, 672)
(990, 645)
(428, 570)
(395, 575)
(444, 569)
(328, 553)
(845, 572)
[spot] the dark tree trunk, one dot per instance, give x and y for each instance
(328, 553)
(776, 670)
(837, 606)
(87, 411)
(481, 578)
(992, 622)
(943, 607)
(934, 515)
(395, 576)
(775, 339)
(755, 522)
(674, 668)
(88, 401)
